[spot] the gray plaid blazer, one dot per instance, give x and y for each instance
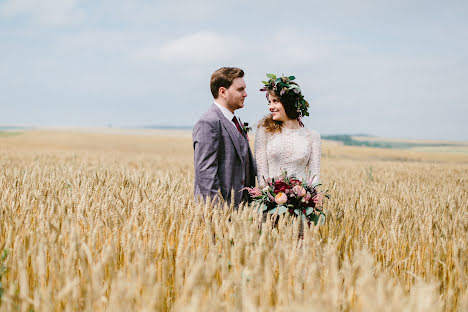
(222, 158)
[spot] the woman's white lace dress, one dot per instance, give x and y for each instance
(296, 151)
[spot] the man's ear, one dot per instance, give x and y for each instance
(222, 91)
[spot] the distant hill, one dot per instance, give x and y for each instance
(371, 141)
(9, 128)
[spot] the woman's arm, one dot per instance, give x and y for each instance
(313, 166)
(261, 155)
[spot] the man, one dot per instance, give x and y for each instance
(222, 155)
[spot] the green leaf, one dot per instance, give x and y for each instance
(281, 210)
(321, 220)
(297, 211)
(261, 207)
(265, 82)
(271, 76)
(309, 210)
(318, 219)
(291, 77)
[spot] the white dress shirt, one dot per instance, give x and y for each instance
(227, 113)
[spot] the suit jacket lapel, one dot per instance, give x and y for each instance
(233, 133)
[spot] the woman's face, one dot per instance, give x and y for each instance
(276, 108)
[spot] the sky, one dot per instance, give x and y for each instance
(386, 68)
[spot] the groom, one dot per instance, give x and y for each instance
(222, 156)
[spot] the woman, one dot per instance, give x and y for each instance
(282, 143)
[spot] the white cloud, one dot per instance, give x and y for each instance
(198, 48)
(291, 48)
(47, 12)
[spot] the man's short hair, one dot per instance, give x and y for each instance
(224, 77)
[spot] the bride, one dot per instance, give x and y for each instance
(282, 143)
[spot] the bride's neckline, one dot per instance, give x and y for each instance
(292, 129)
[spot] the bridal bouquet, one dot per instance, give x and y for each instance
(288, 194)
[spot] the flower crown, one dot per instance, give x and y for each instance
(282, 85)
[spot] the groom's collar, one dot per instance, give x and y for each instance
(226, 112)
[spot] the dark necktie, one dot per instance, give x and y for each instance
(238, 125)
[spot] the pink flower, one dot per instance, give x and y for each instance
(318, 199)
(299, 191)
(281, 198)
(255, 192)
(303, 191)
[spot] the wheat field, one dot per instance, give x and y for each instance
(94, 221)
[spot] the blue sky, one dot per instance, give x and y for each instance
(386, 68)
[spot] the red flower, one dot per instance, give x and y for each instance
(295, 182)
(281, 186)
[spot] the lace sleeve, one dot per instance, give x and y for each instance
(261, 155)
(313, 167)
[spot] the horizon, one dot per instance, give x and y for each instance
(189, 128)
